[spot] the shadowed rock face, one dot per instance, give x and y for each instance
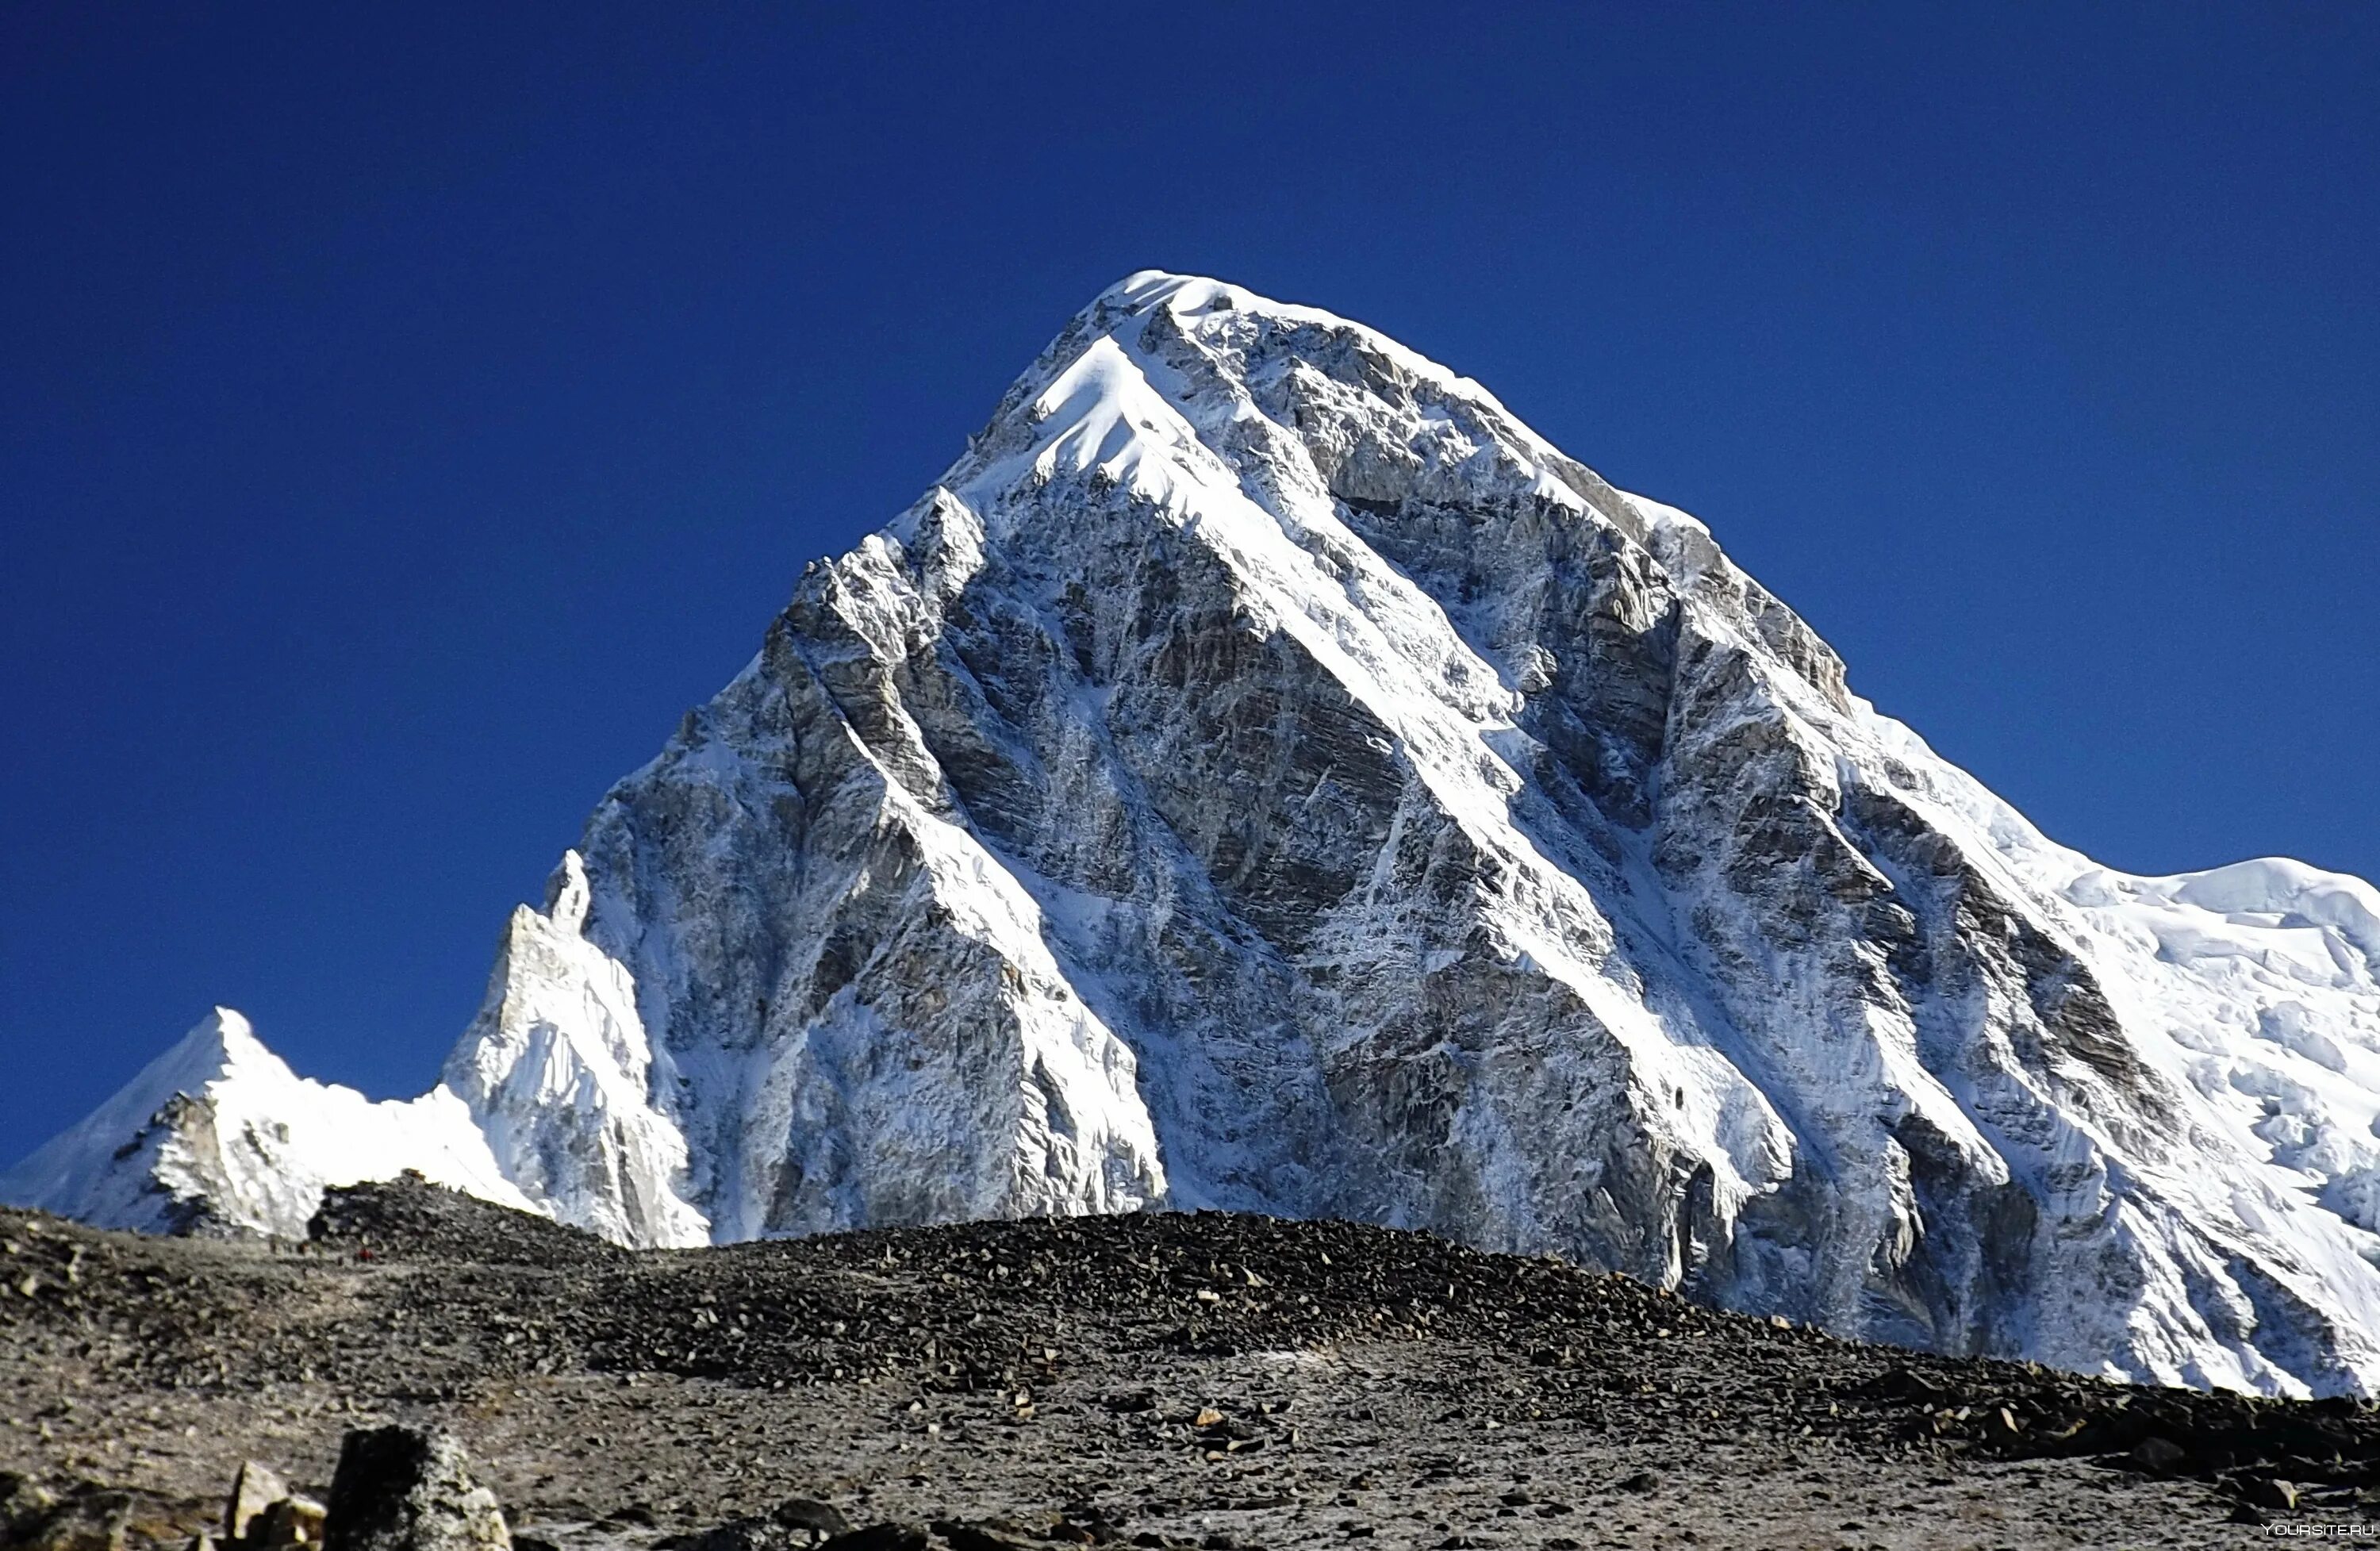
(407, 1489)
(1264, 774)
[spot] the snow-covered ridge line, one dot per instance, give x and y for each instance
(218, 1134)
(1264, 773)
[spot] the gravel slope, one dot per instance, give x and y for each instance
(1176, 1380)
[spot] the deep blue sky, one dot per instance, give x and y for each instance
(406, 415)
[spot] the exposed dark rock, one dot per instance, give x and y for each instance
(969, 1537)
(290, 1522)
(407, 1489)
(810, 1516)
(878, 1537)
(24, 1502)
(410, 1217)
(2265, 1491)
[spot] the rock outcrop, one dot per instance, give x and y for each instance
(407, 1489)
(253, 1491)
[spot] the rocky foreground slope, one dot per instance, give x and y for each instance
(1263, 774)
(1162, 1381)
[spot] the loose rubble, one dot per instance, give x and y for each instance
(1156, 1380)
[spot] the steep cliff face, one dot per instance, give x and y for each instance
(1263, 774)
(557, 1074)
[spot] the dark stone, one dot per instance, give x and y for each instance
(84, 1522)
(2266, 1491)
(290, 1522)
(969, 1537)
(23, 1504)
(404, 1489)
(820, 1519)
(878, 1537)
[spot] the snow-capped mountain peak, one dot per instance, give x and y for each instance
(1263, 773)
(218, 1134)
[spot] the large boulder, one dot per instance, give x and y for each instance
(405, 1489)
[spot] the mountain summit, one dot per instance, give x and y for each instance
(1264, 774)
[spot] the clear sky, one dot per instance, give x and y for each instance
(407, 413)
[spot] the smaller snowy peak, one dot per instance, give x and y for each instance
(221, 1047)
(544, 1109)
(221, 1040)
(219, 1134)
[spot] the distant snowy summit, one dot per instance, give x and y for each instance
(217, 1135)
(1264, 774)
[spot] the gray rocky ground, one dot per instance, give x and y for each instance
(1164, 1380)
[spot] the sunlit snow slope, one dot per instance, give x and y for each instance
(219, 1135)
(1264, 774)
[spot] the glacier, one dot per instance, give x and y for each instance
(1263, 774)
